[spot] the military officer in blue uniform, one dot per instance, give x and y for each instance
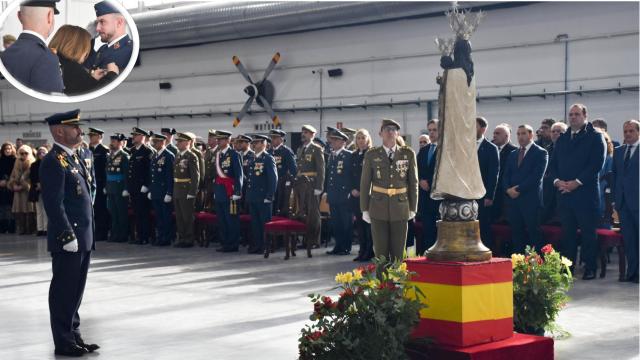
(111, 26)
(86, 156)
(66, 194)
(261, 187)
(116, 189)
(29, 60)
(246, 156)
(339, 185)
(100, 154)
(138, 182)
(168, 133)
(227, 192)
(161, 190)
(287, 169)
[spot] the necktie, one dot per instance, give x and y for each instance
(627, 156)
(521, 155)
(390, 155)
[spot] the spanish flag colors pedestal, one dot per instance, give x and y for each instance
(469, 303)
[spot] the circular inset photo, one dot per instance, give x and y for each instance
(68, 51)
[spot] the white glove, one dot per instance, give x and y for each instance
(167, 198)
(149, 196)
(267, 201)
(317, 192)
(104, 191)
(144, 189)
(412, 214)
(189, 197)
(71, 247)
(235, 197)
(287, 183)
(125, 193)
(366, 217)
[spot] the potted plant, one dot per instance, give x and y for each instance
(540, 286)
(372, 318)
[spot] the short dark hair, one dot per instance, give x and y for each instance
(601, 123)
(548, 121)
(482, 122)
(433, 121)
(581, 107)
(526, 127)
(632, 122)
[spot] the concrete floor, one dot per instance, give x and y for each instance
(146, 303)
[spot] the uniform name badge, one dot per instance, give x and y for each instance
(402, 166)
(340, 167)
(308, 157)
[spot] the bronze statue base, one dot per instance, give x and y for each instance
(459, 241)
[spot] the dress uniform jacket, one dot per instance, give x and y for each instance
(209, 170)
(186, 177)
(100, 154)
(140, 175)
(261, 185)
(309, 177)
(287, 169)
(117, 170)
(339, 186)
(162, 185)
(119, 53)
(31, 62)
(228, 182)
(247, 159)
(172, 149)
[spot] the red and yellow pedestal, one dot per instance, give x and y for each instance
(469, 303)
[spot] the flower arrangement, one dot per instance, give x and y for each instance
(373, 317)
(540, 286)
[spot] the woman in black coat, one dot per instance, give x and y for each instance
(7, 160)
(363, 143)
(34, 192)
(73, 44)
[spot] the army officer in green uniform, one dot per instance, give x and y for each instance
(389, 192)
(186, 177)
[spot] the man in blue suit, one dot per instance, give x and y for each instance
(261, 187)
(66, 193)
(161, 190)
(578, 156)
(426, 160)
(625, 191)
(29, 60)
(111, 26)
(489, 160)
(522, 182)
(339, 186)
(227, 192)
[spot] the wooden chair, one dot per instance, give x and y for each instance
(289, 230)
(607, 239)
(203, 220)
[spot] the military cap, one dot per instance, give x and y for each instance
(65, 118)
(320, 142)
(389, 122)
(119, 137)
(138, 131)
(277, 132)
(259, 137)
(104, 8)
(223, 134)
(348, 131)
(309, 128)
(158, 137)
(212, 132)
(243, 138)
(183, 137)
(95, 131)
(331, 129)
(171, 131)
(339, 135)
(191, 135)
(42, 3)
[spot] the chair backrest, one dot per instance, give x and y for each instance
(324, 205)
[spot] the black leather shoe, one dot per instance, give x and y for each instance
(589, 275)
(358, 258)
(345, 252)
(89, 347)
(333, 252)
(71, 350)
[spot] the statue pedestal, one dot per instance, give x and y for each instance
(469, 303)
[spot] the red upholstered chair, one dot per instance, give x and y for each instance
(245, 228)
(290, 230)
(609, 238)
(278, 218)
(501, 235)
(202, 220)
(551, 234)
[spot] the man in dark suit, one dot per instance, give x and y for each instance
(544, 134)
(602, 125)
(426, 160)
(339, 186)
(111, 26)
(578, 156)
(625, 191)
(138, 182)
(29, 60)
(100, 154)
(247, 156)
(66, 194)
(261, 187)
(161, 191)
(501, 139)
(522, 183)
(286, 165)
(489, 160)
(227, 192)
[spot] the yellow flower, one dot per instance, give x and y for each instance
(403, 267)
(373, 283)
(344, 278)
(516, 259)
(357, 274)
(566, 261)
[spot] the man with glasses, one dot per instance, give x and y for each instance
(544, 134)
(389, 192)
(577, 159)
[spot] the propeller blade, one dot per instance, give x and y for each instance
(241, 68)
(267, 107)
(272, 64)
(243, 111)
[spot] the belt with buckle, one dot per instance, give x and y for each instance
(388, 192)
(181, 180)
(308, 173)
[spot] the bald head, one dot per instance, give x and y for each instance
(37, 19)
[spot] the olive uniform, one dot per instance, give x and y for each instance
(209, 170)
(389, 193)
(186, 177)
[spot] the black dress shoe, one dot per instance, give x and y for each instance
(333, 252)
(71, 350)
(89, 347)
(357, 258)
(589, 275)
(344, 252)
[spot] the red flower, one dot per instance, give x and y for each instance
(539, 260)
(367, 269)
(547, 249)
(387, 285)
(346, 293)
(314, 336)
(317, 307)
